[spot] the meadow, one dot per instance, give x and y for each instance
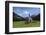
(21, 24)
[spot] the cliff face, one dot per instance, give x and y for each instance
(19, 18)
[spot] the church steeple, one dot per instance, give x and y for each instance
(29, 15)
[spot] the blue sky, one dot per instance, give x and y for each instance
(25, 11)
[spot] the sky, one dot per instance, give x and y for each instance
(25, 11)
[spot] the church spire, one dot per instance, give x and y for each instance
(29, 15)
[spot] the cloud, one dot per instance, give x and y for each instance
(25, 11)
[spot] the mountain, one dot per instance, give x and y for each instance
(16, 17)
(36, 17)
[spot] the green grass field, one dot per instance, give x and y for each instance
(21, 24)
